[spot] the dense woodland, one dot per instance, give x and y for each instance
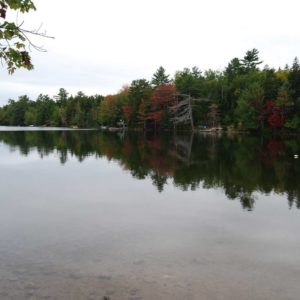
(245, 96)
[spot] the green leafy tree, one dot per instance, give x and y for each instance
(138, 90)
(14, 39)
(271, 83)
(250, 107)
(110, 111)
(45, 107)
(15, 111)
(245, 115)
(189, 81)
(30, 117)
(2, 115)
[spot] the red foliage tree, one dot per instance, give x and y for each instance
(273, 114)
(156, 116)
(127, 113)
(162, 98)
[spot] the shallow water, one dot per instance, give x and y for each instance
(85, 215)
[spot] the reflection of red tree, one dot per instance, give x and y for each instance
(109, 152)
(127, 147)
(158, 160)
(274, 147)
(155, 144)
(272, 151)
(276, 120)
(161, 164)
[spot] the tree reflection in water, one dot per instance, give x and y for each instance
(240, 165)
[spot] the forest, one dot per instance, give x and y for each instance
(244, 96)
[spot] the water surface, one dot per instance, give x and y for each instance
(84, 214)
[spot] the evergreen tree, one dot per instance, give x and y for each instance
(271, 83)
(61, 97)
(251, 60)
(294, 80)
(160, 77)
(189, 81)
(234, 68)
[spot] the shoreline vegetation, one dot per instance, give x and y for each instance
(244, 97)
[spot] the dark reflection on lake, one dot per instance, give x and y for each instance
(84, 214)
(240, 165)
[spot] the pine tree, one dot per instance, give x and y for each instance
(251, 60)
(294, 80)
(160, 77)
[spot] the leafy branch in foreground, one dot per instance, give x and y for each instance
(15, 42)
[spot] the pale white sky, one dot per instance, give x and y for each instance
(100, 45)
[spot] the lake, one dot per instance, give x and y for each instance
(88, 214)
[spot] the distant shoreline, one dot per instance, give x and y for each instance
(41, 128)
(208, 131)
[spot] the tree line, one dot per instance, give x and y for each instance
(243, 96)
(63, 110)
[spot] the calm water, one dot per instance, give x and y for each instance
(85, 214)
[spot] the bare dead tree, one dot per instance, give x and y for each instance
(182, 111)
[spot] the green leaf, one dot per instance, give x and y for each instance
(19, 45)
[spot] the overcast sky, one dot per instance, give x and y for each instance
(100, 46)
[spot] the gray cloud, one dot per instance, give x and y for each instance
(110, 43)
